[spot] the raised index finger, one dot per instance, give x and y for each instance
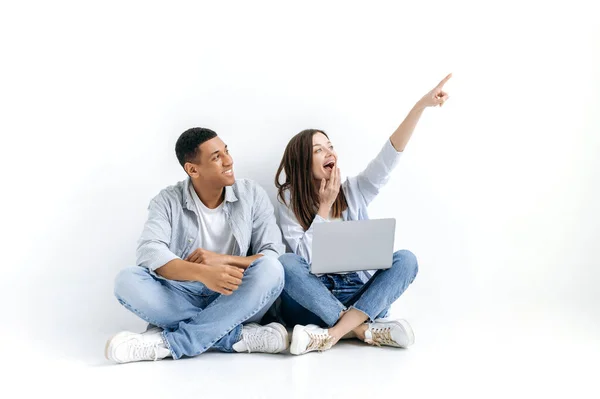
(443, 82)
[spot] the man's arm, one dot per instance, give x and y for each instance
(242, 261)
(221, 278)
(265, 240)
(181, 270)
(153, 246)
(153, 253)
(266, 236)
(205, 257)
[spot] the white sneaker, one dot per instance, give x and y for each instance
(132, 347)
(397, 333)
(310, 338)
(272, 338)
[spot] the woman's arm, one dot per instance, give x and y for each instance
(377, 172)
(434, 98)
(404, 132)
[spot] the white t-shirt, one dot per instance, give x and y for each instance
(215, 234)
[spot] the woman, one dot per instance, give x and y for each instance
(328, 307)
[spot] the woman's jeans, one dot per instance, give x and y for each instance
(308, 299)
(194, 318)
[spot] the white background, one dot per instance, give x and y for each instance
(497, 193)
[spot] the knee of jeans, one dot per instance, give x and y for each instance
(405, 262)
(270, 273)
(293, 263)
(127, 282)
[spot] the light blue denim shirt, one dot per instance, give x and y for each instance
(172, 229)
(360, 190)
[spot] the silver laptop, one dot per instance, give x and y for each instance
(339, 247)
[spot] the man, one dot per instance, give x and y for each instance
(193, 281)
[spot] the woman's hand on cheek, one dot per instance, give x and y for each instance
(328, 192)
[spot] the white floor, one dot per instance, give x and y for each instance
(539, 355)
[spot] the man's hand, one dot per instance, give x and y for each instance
(223, 279)
(208, 258)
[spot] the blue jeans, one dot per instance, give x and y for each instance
(194, 318)
(308, 299)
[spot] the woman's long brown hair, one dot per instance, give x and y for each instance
(304, 195)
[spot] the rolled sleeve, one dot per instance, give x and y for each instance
(266, 236)
(153, 246)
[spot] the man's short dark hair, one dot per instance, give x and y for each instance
(187, 144)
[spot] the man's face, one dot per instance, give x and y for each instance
(213, 165)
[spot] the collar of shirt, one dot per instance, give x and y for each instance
(188, 200)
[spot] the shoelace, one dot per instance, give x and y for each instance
(319, 342)
(145, 351)
(380, 337)
(257, 341)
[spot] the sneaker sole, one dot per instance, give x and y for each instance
(410, 334)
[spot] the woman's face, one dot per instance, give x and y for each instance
(324, 157)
